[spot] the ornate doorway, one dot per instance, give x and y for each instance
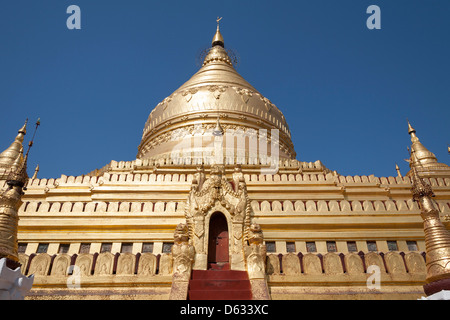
(218, 240)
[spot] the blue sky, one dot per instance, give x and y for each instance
(345, 90)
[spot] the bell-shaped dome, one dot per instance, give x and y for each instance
(216, 91)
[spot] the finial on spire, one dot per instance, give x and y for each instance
(35, 172)
(30, 144)
(399, 174)
(410, 128)
(23, 130)
(218, 39)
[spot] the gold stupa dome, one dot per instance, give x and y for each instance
(216, 91)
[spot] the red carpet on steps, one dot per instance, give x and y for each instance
(219, 285)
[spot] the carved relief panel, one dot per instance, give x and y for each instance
(415, 262)
(40, 265)
(291, 264)
(147, 264)
(216, 194)
(394, 263)
(353, 263)
(373, 258)
(312, 264)
(104, 264)
(126, 264)
(165, 264)
(84, 263)
(332, 263)
(273, 264)
(61, 264)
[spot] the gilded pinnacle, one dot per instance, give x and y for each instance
(35, 172)
(421, 158)
(9, 156)
(24, 128)
(410, 128)
(218, 39)
(14, 165)
(19, 160)
(437, 237)
(398, 170)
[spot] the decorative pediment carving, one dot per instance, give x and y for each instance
(206, 193)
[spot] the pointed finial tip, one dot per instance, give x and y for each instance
(397, 168)
(218, 39)
(23, 130)
(410, 128)
(35, 172)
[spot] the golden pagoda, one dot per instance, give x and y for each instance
(216, 206)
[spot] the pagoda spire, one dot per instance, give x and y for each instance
(423, 160)
(410, 128)
(437, 237)
(422, 154)
(11, 200)
(9, 156)
(217, 52)
(36, 170)
(399, 174)
(218, 38)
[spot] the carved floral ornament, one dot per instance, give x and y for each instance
(217, 91)
(189, 93)
(245, 94)
(183, 253)
(206, 192)
(216, 193)
(185, 131)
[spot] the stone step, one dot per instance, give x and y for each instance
(219, 275)
(219, 285)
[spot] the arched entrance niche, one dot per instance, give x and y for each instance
(218, 242)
